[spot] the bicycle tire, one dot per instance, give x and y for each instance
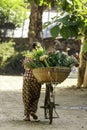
(46, 113)
(46, 104)
(48, 109)
(50, 112)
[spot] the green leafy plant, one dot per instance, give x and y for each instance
(40, 58)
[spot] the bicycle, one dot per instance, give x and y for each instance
(49, 103)
(51, 76)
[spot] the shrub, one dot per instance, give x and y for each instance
(11, 57)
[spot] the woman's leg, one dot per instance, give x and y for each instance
(35, 91)
(26, 100)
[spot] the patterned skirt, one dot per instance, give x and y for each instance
(31, 92)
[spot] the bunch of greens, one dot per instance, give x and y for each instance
(61, 59)
(40, 58)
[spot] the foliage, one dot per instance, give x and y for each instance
(85, 47)
(11, 57)
(12, 11)
(72, 20)
(44, 2)
(6, 51)
(40, 58)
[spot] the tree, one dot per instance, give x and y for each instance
(72, 23)
(12, 12)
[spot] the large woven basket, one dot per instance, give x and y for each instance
(51, 74)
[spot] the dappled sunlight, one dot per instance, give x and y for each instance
(11, 83)
(15, 83)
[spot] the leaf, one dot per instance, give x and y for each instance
(65, 32)
(46, 24)
(69, 31)
(85, 47)
(55, 31)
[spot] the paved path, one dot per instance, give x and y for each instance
(15, 83)
(72, 107)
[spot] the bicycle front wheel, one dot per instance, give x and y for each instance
(49, 105)
(50, 112)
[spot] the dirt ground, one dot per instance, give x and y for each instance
(72, 109)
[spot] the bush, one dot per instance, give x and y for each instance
(12, 12)
(11, 57)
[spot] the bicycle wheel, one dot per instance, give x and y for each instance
(48, 111)
(46, 102)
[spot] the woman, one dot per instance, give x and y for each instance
(31, 91)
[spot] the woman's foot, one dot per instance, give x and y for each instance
(35, 117)
(26, 119)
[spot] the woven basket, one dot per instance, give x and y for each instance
(51, 74)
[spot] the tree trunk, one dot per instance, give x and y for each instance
(82, 71)
(85, 77)
(35, 25)
(39, 36)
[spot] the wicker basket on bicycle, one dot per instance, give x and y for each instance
(51, 74)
